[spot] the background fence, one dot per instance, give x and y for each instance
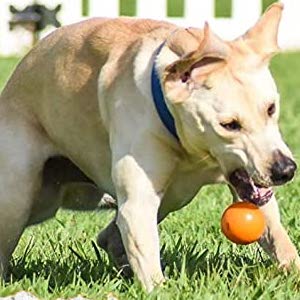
(243, 14)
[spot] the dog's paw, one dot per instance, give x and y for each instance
(110, 240)
(290, 264)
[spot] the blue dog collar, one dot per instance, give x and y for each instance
(159, 99)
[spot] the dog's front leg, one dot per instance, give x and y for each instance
(275, 240)
(138, 205)
(140, 178)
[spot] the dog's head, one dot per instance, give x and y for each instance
(225, 102)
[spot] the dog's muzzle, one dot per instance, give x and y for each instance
(281, 171)
(248, 190)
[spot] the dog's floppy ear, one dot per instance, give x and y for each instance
(262, 37)
(209, 53)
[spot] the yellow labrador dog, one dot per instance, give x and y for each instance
(150, 113)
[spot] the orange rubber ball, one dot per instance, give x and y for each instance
(243, 223)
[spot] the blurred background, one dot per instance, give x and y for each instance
(23, 22)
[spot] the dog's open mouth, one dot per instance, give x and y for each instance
(248, 190)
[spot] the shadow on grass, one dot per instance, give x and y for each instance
(183, 257)
(72, 270)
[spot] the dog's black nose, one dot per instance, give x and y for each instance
(283, 169)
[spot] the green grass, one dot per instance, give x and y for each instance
(6, 67)
(58, 259)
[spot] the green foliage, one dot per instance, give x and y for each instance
(6, 67)
(85, 7)
(223, 8)
(175, 8)
(128, 7)
(267, 3)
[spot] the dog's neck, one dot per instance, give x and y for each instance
(159, 99)
(148, 58)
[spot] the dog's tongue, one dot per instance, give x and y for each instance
(262, 195)
(247, 190)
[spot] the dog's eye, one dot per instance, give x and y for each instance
(185, 77)
(271, 110)
(232, 126)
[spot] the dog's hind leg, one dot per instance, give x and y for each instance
(111, 241)
(275, 240)
(23, 152)
(63, 185)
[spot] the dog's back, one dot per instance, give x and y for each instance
(55, 87)
(69, 60)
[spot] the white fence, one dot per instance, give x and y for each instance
(244, 14)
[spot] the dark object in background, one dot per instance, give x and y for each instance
(34, 18)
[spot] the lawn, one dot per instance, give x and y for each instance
(59, 258)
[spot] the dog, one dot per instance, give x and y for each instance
(149, 112)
